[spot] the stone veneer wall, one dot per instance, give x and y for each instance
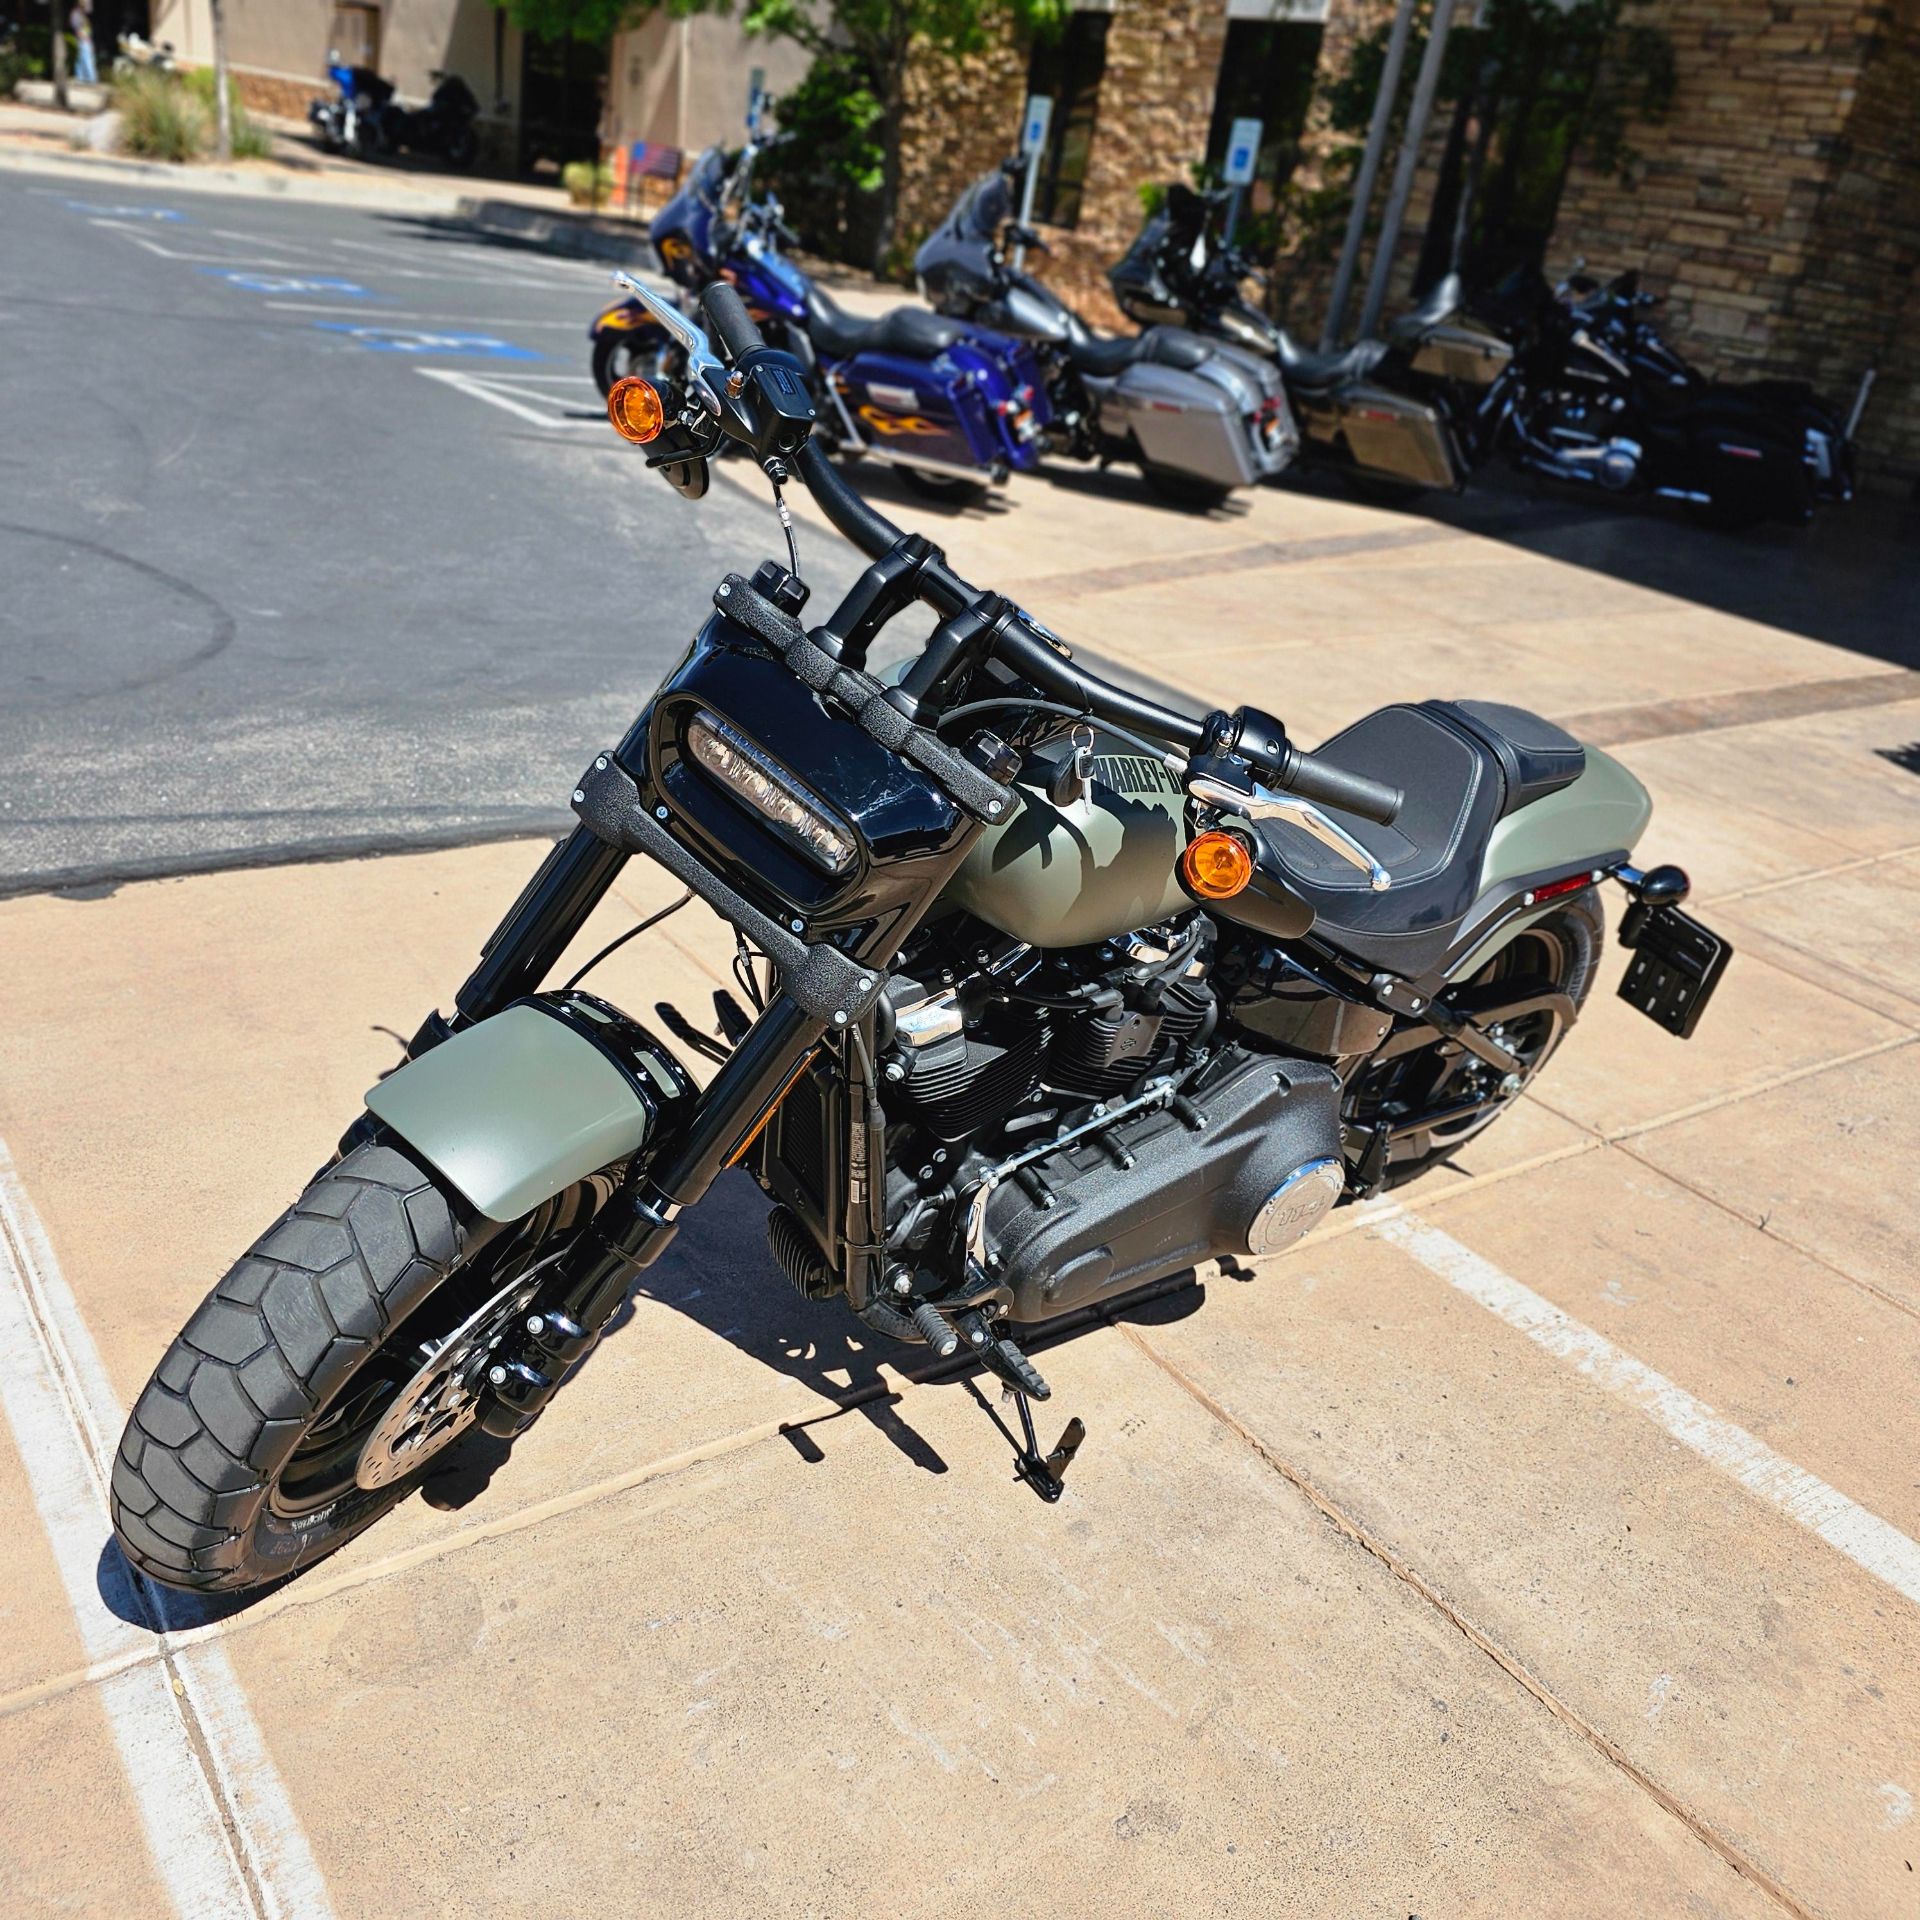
(1156, 100)
(1777, 206)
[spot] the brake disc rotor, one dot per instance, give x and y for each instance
(440, 1402)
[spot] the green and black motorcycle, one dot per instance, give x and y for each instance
(1048, 993)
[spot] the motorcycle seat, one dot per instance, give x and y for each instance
(1321, 370)
(1463, 765)
(1158, 346)
(1443, 299)
(912, 331)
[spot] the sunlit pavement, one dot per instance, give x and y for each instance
(1544, 1543)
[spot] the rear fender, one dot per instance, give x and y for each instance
(1594, 823)
(517, 1108)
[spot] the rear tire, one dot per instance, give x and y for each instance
(238, 1465)
(1570, 940)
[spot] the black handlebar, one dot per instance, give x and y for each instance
(1314, 779)
(1020, 645)
(729, 322)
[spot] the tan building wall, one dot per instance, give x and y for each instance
(683, 83)
(278, 49)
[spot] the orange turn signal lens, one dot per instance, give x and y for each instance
(636, 409)
(1216, 864)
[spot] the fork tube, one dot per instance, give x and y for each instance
(554, 906)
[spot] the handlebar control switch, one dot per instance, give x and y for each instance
(787, 591)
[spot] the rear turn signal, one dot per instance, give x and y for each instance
(1216, 864)
(636, 410)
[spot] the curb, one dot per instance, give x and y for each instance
(240, 181)
(555, 232)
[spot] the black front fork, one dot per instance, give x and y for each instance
(636, 1225)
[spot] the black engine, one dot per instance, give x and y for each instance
(1064, 1126)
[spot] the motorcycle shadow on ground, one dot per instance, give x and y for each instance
(1848, 579)
(719, 1275)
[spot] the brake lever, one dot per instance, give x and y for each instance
(1255, 802)
(702, 361)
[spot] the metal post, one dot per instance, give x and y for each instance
(1033, 142)
(1418, 115)
(1368, 174)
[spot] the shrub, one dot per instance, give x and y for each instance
(249, 141)
(587, 184)
(159, 118)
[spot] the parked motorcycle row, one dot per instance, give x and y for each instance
(367, 119)
(1571, 382)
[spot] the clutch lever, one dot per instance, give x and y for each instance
(1255, 802)
(703, 364)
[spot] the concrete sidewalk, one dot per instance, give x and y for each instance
(1542, 1544)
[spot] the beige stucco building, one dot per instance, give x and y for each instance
(677, 83)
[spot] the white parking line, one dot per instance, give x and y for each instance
(200, 1773)
(1867, 1540)
(508, 393)
(381, 315)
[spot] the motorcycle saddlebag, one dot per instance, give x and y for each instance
(1217, 422)
(1459, 350)
(937, 411)
(1394, 434)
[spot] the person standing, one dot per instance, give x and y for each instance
(84, 69)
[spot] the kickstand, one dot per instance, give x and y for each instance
(1044, 1473)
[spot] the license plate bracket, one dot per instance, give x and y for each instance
(1676, 965)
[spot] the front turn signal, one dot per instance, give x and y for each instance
(1216, 864)
(636, 409)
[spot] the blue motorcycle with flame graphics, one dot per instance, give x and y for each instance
(1048, 992)
(952, 406)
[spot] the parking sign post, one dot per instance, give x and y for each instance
(1033, 143)
(1243, 154)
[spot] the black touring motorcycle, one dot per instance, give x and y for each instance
(1056, 992)
(1572, 382)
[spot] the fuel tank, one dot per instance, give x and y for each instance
(1068, 875)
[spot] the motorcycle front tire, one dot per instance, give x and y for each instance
(237, 1467)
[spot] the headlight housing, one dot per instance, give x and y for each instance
(798, 816)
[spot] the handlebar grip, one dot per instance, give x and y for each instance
(1334, 786)
(727, 318)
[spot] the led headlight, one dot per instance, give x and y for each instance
(786, 806)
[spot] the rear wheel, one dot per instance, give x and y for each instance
(319, 1379)
(1560, 953)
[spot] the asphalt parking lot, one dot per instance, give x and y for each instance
(314, 532)
(1545, 1540)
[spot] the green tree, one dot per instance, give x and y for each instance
(867, 42)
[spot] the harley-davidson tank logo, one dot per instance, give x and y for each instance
(1132, 773)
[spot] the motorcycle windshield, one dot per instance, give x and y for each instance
(683, 228)
(963, 242)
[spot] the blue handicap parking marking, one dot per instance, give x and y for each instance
(100, 212)
(287, 283)
(482, 346)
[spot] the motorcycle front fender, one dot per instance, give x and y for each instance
(517, 1108)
